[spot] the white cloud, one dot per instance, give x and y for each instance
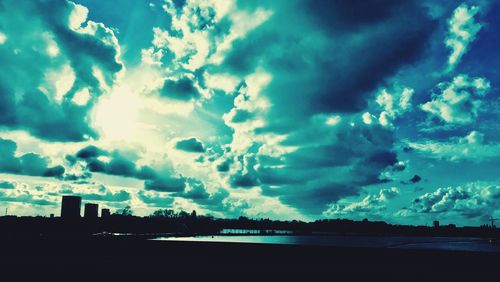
(393, 105)
(198, 38)
(60, 81)
(462, 31)
(78, 16)
(369, 204)
(82, 97)
(471, 201)
(225, 82)
(249, 100)
(54, 50)
(458, 102)
(367, 118)
(470, 147)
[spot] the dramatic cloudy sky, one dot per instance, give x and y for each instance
(287, 109)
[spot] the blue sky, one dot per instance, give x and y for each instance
(386, 110)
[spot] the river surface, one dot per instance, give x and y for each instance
(404, 242)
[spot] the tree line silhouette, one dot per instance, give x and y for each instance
(167, 222)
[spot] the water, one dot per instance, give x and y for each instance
(436, 243)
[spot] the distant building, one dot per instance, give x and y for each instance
(51, 215)
(435, 223)
(91, 210)
(70, 207)
(105, 213)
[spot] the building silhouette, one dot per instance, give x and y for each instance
(91, 210)
(435, 223)
(105, 213)
(70, 207)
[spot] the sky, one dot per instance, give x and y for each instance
(287, 109)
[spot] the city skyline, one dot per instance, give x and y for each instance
(286, 110)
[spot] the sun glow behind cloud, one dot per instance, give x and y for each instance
(116, 115)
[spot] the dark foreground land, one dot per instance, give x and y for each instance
(115, 259)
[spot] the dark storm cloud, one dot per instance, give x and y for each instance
(42, 49)
(340, 63)
(415, 179)
(330, 163)
(90, 152)
(325, 62)
(57, 171)
(117, 164)
(348, 158)
(28, 164)
(224, 165)
(182, 89)
(190, 145)
(244, 180)
(120, 165)
(354, 14)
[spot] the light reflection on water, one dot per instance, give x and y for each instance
(442, 243)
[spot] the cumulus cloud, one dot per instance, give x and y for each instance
(371, 204)
(458, 101)
(393, 106)
(462, 31)
(115, 163)
(55, 65)
(199, 35)
(470, 147)
(28, 164)
(192, 145)
(471, 201)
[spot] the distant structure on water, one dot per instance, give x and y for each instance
(70, 207)
(91, 211)
(435, 223)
